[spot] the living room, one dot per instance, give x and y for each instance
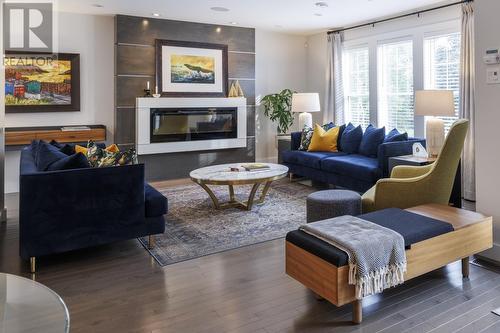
(237, 166)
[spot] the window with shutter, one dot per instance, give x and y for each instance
(356, 86)
(395, 86)
(442, 67)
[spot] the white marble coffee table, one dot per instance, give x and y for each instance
(222, 175)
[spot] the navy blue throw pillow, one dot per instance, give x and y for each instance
(46, 155)
(75, 161)
(372, 138)
(339, 138)
(351, 138)
(394, 136)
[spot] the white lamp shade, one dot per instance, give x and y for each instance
(305, 102)
(434, 103)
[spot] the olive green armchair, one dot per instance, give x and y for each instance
(416, 185)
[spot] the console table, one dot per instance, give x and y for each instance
(19, 136)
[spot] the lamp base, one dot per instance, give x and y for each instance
(305, 118)
(434, 135)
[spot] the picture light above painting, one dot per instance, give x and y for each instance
(36, 82)
(191, 69)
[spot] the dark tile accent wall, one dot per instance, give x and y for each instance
(135, 65)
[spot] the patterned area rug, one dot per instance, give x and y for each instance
(194, 228)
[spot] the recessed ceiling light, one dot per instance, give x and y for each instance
(97, 5)
(233, 23)
(321, 4)
(219, 9)
(318, 14)
(156, 14)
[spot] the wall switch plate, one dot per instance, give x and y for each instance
(493, 75)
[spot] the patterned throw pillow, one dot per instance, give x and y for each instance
(307, 133)
(99, 157)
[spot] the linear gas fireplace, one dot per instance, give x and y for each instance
(192, 124)
(166, 125)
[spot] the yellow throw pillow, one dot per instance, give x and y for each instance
(324, 140)
(112, 149)
(80, 149)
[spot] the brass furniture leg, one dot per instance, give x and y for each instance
(291, 176)
(357, 311)
(33, 264)
(212, 195)
(465, 267)
(151, 242)
(235, 203)
(231, 193)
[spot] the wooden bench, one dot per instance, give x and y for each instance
(472, 234)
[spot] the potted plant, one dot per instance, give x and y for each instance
(278, 108)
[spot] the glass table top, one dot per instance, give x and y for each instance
(29, 306)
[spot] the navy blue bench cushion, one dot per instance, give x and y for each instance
(354, 165)
(155, 203)
(413, 227)
(309, 159)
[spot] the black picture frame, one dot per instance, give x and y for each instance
(159, 43)
(75, 85)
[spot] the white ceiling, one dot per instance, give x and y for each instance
(293, 16)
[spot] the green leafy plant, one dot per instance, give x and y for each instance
(278, 108)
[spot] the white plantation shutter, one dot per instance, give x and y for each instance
(356, 86)
(395, 86)
(442, 67)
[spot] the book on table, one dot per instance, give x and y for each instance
(255, 166)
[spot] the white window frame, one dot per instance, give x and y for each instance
(417, 33)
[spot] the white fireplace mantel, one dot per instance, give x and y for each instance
(143, 127)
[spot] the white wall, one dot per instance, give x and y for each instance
(487, 118)
(280, 63)
(92, 37)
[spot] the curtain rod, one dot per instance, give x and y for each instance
(398, 17)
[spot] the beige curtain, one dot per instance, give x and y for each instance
(334, 95)
(467, 99)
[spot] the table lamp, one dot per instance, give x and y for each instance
(305, 103)
(433, 103)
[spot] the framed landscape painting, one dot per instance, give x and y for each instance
(191, 69)
(37, 82)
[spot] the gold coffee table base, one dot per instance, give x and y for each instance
(233, 203)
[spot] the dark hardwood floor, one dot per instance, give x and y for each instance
(120, 288)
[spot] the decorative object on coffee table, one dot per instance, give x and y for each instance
(222, 175)
(323, 205)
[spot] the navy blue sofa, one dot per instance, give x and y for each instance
(353, 171)
(72, 209)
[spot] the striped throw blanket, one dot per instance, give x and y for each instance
(377, 258)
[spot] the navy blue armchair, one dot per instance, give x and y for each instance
(72, 209)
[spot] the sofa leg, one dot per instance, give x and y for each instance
(357, 311)
(33, 264)
(291, 176)
(465, 267)
(151, 242)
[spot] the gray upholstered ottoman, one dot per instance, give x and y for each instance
(324, 205)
